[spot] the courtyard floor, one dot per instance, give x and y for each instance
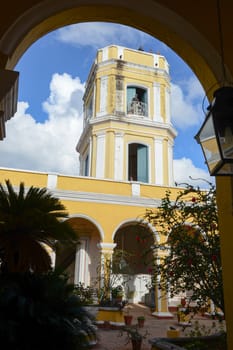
(110, 339)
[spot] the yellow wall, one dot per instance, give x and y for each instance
(29, 178)
(109, 215)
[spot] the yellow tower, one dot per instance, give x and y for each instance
(128, 135)
(126, 167)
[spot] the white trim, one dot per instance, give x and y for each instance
(160, 314)
(90, 156)
(136, 120)
(159, 161)
(93, 221)
(118, 156)
(103, 95)
(156, 61)
(106, 198)
(106, 247)
(157, 103)
(170, 164)
(120, 52)
(100, 156)
(52, 181)
(132, 221)
(136, 187)
(105, 54)
(168, 105)
(81, 273)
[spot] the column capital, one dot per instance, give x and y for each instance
(106, 247)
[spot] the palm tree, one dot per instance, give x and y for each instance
(30, 220)
(40, 311)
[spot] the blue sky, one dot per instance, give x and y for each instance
(43, 134)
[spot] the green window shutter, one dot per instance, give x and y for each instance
(142, 163)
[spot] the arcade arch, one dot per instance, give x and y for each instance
(133, 259)
(81, 261)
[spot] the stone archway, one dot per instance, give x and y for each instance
(153, 18)
(133, 260)
(81, 262)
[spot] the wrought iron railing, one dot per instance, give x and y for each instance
(137, 108)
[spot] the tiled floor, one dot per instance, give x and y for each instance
(112, 340)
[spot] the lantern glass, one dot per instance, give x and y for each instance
(207, 138)
(216, 134)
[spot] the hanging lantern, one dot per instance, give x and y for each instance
(216, 134)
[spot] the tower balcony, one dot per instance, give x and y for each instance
(137, 108)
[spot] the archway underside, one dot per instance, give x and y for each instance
(134, 18)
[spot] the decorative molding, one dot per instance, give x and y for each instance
(136, 189)
(52, 181)
(159, 161)
(159, 314)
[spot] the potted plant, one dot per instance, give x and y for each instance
(117, 294)
(134, 336)
(141, 321)
(127, 316)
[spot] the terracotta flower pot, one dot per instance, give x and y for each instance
(141, 322)
(128, 319)
(183, 302)
(136, 344)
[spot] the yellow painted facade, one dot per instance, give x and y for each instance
(127, 102)
(126, 111)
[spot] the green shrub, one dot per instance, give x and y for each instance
(41, 312)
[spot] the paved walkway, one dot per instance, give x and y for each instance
(111, 340)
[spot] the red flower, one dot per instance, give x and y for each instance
(138, 238)
(193, 199)
(214, 257)
(190, 261)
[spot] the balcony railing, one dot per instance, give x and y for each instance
(137, 108)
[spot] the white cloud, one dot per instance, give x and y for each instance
(100, 34)
(185, 104)
(184, 168)
(48, 146)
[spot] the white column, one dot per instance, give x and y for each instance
(81, 272)
(170, 164)
(159, 162)
(105, 54)
(103, 95)
(106, 250)
(118, 159)
(161, 299)
(90, 156)
(100, 158)
(157, 103)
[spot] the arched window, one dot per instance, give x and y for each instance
(137, 101)
(138, 162)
